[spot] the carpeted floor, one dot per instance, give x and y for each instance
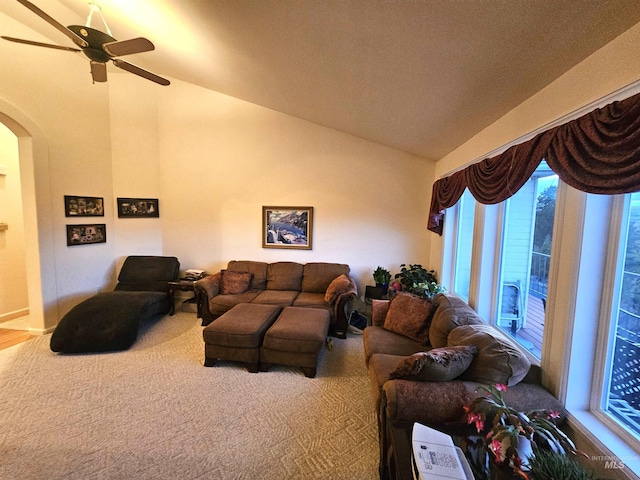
(154, 412)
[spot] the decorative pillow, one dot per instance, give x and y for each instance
(284, 276)
(410, 315)
(233, 283)
(437, 365)
(337, 287)
(451, 312)
(498, 360)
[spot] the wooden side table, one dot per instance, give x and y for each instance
(184, 286)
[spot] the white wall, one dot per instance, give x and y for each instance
(222, 159)
(212, 160)
(14, 299)
(135, 162)
(63, 120)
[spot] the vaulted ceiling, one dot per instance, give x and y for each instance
(421, 76)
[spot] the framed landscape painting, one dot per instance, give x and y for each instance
(86, 234)
(75, 206)
(138, 208)
(287, 227)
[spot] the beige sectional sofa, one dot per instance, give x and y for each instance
(314, 285)
(405, 399)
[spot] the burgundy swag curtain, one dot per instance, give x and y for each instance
(596, 153)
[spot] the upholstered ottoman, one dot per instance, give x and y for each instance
(237, 334)
(296, 339)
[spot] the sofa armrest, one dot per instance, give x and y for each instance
(429, 403)
(441, 403)
(341, 317)
(339, 294)
(379, 309)
(403, 402)
(205, 289)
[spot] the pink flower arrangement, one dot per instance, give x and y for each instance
(505, 430)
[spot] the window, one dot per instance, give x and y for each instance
(621, 389)
(464, 244)
(527, 231)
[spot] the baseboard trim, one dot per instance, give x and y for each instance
(5, 317)
(41, 331)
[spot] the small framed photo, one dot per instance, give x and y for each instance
(287, 227)
(86, 234)
(138, 208)
(75, 206)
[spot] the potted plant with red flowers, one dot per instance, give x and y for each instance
(510, 437)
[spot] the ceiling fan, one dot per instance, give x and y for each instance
(98, 46)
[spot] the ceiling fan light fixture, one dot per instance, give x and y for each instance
(98, 46)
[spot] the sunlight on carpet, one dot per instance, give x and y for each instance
(155, 412)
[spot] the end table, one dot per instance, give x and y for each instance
(184, 286)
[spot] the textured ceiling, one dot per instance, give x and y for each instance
(421, 76)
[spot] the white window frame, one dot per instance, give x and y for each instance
(573, 360)
(606, 334)
(574, 321)
(458, 218)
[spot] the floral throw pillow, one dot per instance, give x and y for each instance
(410, 315)
(437, 365)
(233, 283)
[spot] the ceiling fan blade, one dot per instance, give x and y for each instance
(40, 44)
(75, 38)
(129, 67)
(99, 71)
(128, 47)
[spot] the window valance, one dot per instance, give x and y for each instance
(596, 153)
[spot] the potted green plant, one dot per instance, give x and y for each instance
(550, 465)
(419, 281)
(382, 276)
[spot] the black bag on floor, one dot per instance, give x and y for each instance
(358, 320)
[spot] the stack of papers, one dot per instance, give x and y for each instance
(435, 456)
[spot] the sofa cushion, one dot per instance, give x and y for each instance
(379, 340)
(318, 275)
(436, 365)
(284, 298)
(315, 300)
(379, 309)
(380, 367)
(499, 360)
(233, 283)
(284, 276)
(451, 312)
(222, 303)
(258, 269)
(410, 315)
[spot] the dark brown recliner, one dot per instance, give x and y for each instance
(110, 321)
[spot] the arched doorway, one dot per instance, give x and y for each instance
(14, 301)
(37, 218)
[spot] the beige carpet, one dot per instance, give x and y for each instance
(154, 412)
